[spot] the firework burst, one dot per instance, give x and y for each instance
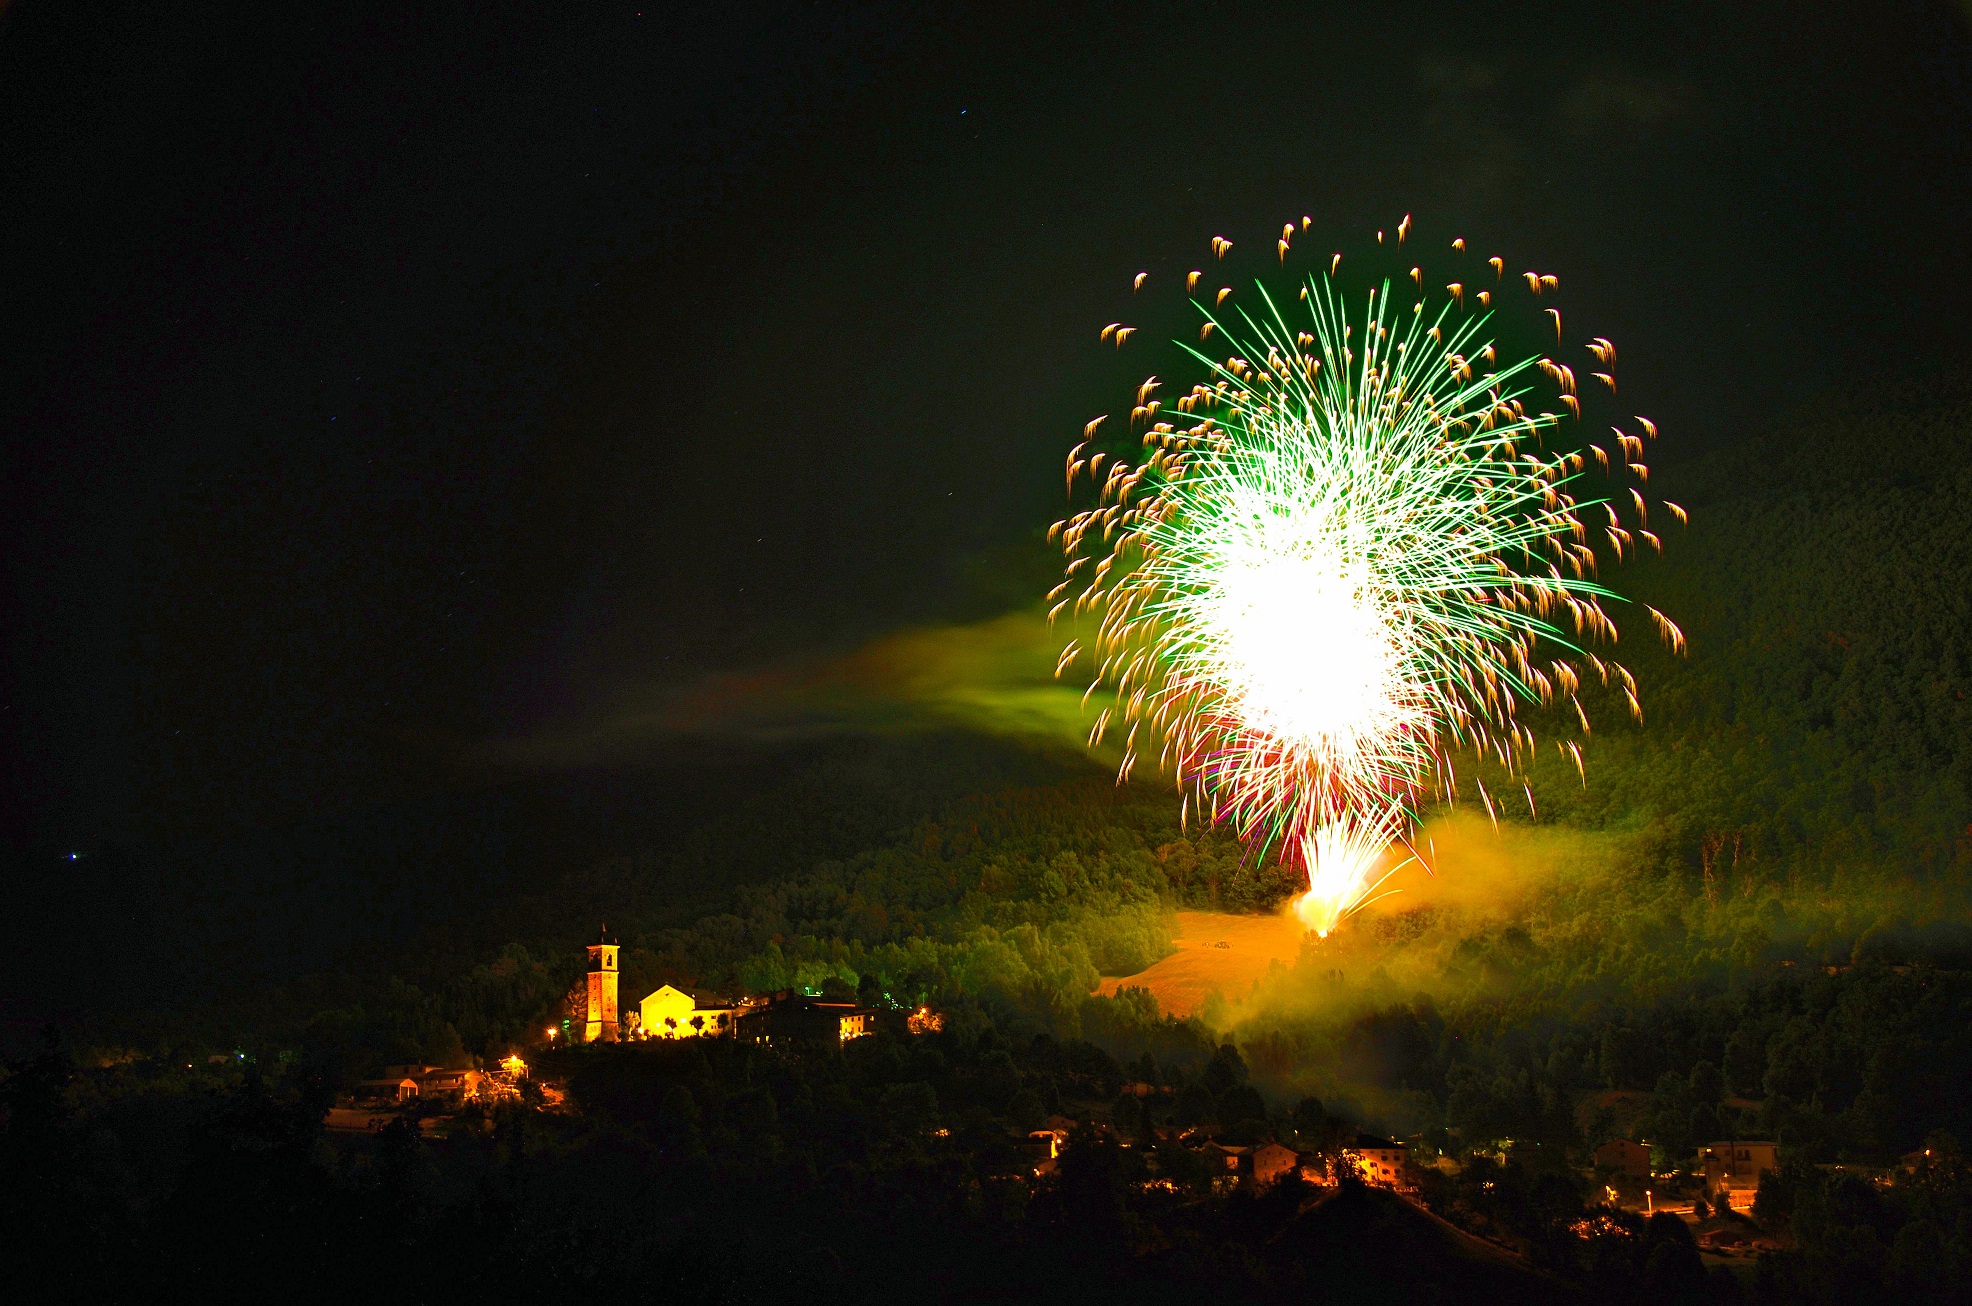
(1355, 544)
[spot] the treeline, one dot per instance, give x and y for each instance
(1856, 1241)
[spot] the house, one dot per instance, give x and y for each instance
(399, 1084)
(1028, 1155)
(1737, 1164)
(1625, 1156)
(1269, 1163)
(1232, 1163)
(453, 1087)
(673, 1013)
(1379, 1160)
(404, 1083)
(399, 1089)
(789, 1017)
(1042, 1152)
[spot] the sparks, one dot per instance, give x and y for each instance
(1341, 857)
(1348, 562)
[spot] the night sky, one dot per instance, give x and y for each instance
(383, 383)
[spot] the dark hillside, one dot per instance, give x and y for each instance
(1367, 1245)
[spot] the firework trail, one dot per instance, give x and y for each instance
(1346, 550)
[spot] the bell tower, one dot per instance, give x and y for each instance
(602, 990)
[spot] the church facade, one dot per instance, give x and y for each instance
(673, 1013)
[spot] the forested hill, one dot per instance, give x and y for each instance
(1823, 720)
(1818, 736)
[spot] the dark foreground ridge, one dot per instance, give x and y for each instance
(1369, 1245)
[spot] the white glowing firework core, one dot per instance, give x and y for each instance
(1304, 651)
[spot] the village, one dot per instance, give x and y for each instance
(1714, 1191)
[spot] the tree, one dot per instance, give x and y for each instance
(1241, 1104)
(1091, 1180)
(1225, 1070)
(1672, 1272)
(1194, 1105)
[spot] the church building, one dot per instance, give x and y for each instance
(673, 1013)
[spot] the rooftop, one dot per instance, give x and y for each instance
(1376, 1143)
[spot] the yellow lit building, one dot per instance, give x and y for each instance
(1737, 1164)
(1380, 1161)
(674, 1013)
(601, 1023)
(1269, 1163)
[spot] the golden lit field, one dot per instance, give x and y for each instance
(1215, 950)
(1481, 872)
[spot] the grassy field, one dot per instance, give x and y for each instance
(1215, 951)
